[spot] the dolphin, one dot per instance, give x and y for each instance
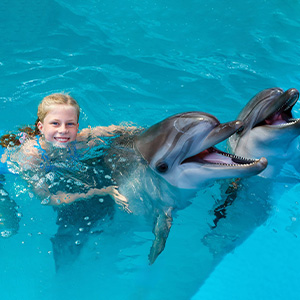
(160, 169)
(269, 129)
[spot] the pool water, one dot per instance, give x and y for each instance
(140, 62)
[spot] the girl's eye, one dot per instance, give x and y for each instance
(54, 123)
(71, 124)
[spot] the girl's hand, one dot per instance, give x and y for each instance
(117, 197)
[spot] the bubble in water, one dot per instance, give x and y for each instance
(35, 177)
(46, 201)
(101, 200)
(86, 218)
(40, 182)
(81, 229)
(77, 242)
(3, 193)
(50, 176)
(107, 177)
(78, 183)
(6, 233)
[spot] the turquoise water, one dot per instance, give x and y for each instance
(142, 61)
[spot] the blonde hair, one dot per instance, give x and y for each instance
(56, 99)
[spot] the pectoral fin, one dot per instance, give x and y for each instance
(161, 231)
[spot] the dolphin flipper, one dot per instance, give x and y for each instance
(161, 231)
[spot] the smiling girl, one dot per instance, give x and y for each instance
(49, 158)
(57, 127)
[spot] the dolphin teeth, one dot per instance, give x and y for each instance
(217, 157)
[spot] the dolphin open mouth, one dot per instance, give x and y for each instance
(283, 115)
(278, 118)
(214, 156)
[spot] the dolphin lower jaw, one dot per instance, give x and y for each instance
(288, 130)
(212, 164)
(267, 140)
(194, 175)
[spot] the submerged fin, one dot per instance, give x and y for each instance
(161, 231)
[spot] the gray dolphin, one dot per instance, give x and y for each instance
(180, 150)
(162, 168)
(269, 129)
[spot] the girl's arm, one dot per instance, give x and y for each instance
(67, 198)
(103, 131)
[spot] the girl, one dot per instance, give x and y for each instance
(57, 127)
(48, 159)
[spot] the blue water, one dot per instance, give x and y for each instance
(142, 61)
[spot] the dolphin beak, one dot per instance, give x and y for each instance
(222, 132)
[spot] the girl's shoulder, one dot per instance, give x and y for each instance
(31, 147)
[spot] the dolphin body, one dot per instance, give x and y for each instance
(269, 129)
(162, 168)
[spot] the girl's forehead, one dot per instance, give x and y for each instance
(61, 110)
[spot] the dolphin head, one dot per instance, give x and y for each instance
(181, 150)
(269, 128)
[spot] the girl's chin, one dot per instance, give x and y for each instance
(60, 144)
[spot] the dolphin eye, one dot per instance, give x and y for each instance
(162, 167)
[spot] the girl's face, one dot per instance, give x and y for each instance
(60, 125)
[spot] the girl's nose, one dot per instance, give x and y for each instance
(63, 129)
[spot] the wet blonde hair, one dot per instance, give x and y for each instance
(56, 99)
